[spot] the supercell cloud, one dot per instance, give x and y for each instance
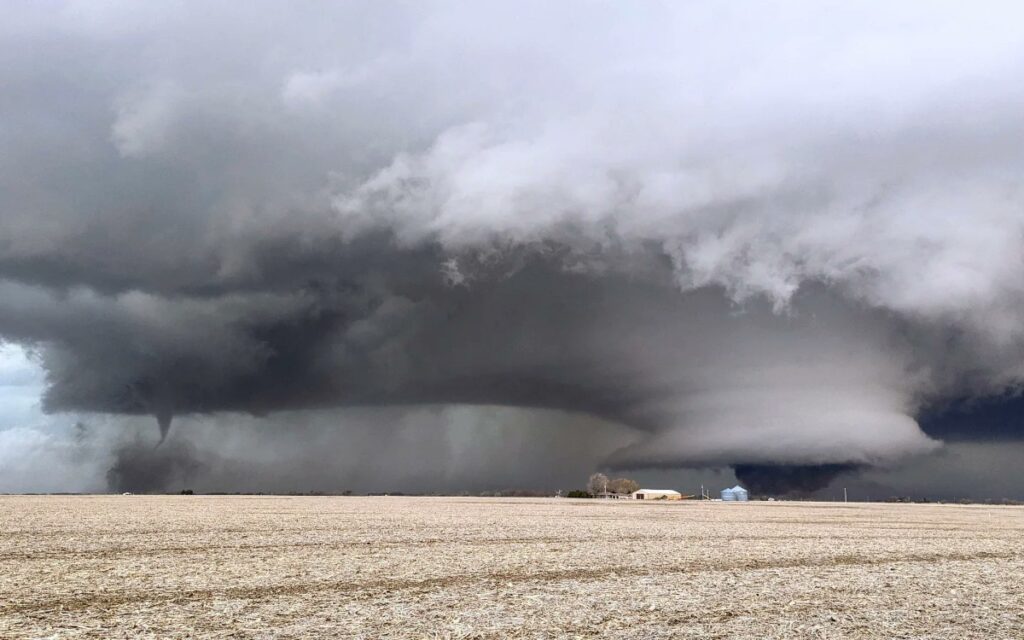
(754, 235)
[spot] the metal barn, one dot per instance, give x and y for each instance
(657, 494)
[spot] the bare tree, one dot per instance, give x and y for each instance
(623, 485)
(598, 483)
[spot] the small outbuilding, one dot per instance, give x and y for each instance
(656, 494)
(735, 494)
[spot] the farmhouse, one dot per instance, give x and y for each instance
(656, 494)
(609, 495)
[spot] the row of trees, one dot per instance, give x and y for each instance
(599, 483)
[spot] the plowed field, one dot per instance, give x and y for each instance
(393, 567)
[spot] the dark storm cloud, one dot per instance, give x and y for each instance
(993, 419)
(750, 245)
(769, 480)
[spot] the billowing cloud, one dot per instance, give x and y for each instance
(752, 235)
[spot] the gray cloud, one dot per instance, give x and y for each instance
(761, 246)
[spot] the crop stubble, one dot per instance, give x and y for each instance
(396, 567)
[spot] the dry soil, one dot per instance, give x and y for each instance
(393, 567)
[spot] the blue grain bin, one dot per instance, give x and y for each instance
(739, 493)
(728, 495)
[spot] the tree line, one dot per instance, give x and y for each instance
(599, 484)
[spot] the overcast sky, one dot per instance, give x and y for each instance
(371, 244)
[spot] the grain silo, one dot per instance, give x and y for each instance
(735, 494)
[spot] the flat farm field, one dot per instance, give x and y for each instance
(393, 567)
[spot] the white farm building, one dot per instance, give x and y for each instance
(656, 494)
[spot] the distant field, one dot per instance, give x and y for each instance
(389, 567)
